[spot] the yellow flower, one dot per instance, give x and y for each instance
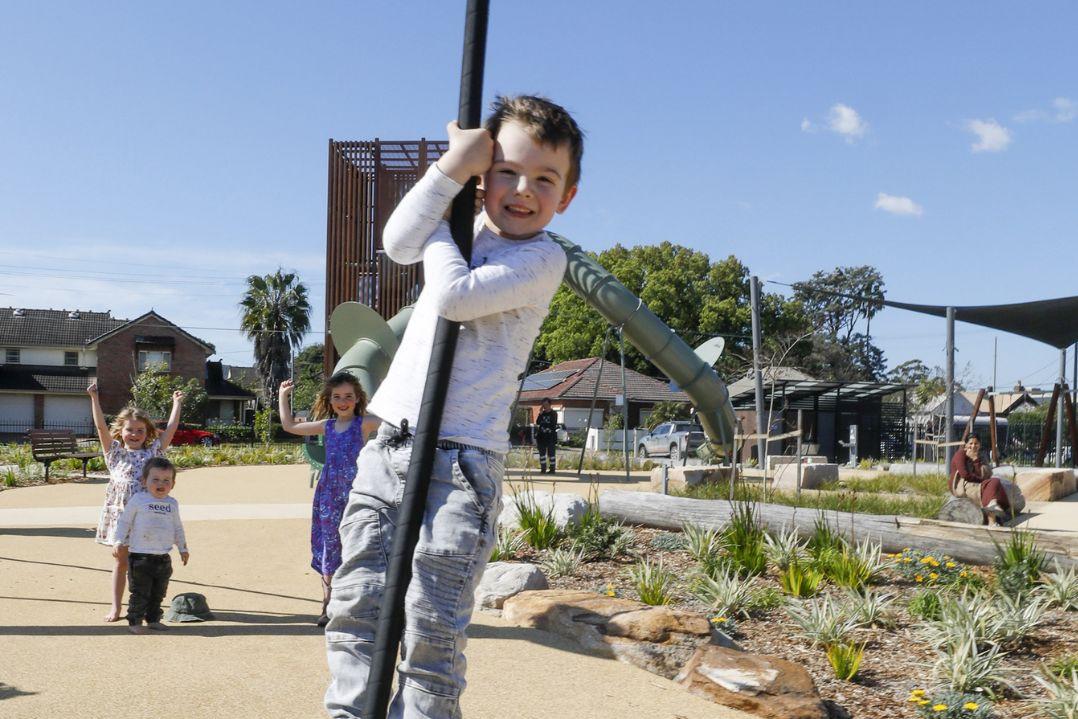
(951, 565)
(971, 706)
(919, 578)
(918, 692)
(933, 575)
(906, 560)
(905, 549)
(939, 707)
(926, 560)
(923, 702)
(718, 620)
(963, 573)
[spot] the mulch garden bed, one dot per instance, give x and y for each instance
(896, 661)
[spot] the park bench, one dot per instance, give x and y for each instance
(49, 445)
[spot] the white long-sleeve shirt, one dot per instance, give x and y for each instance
(151, 526)
(500, 302)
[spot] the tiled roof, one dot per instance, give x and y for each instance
(36, 378)
(580, 383)
(53, 327)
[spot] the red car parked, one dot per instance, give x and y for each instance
(186, 434)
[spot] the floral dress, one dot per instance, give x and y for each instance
(125, 479)
(331, 494)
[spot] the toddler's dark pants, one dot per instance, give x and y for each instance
(148, 576)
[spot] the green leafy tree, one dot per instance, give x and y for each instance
(276, 315)
(666, 412)
(696, 297)
(151, 390)
(310, 376)
(836, 302)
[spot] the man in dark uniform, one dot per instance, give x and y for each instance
(546, 436)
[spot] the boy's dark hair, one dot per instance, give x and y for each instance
(547, 122)
(157, 463)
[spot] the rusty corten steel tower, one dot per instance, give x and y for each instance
(366, 180)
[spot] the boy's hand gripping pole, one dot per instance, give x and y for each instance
(410, 517)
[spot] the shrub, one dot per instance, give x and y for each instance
(537, 525)
(667, 542)
(764, 599)
(951, 705)
(597, 537)
(563, 562)
(508, 545)
(929, 567)
(800, 580)
(652, 582)
(1019, 563)
(845, 659)
(235, 432)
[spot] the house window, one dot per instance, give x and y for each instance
(71, 359)
(150, 358)
(11, 356)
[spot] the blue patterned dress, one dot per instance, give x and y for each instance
(331, 494)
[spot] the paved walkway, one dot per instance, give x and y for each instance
(248, 531)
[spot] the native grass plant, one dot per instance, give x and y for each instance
(765, 599)
(784, 548)
(825, 540)
(926, 605)
(1063, 667)
(1061, 589)
(970, 667)
(800, 579)
(1062, 699)
(845, 659)
(852, 567)
(192, 456)
(537, 524)
(699, 542)
(1016, 618)
(933, 485)
(563, 562)
(652, 582)
(870, 609)
(951, 704)
(912, 505)
(725, 593)
(971, 616)
(10, 478)
(508, 545)
(743, 541)
(1019, 563)
(823, 622)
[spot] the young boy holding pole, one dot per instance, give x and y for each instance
(528, 157)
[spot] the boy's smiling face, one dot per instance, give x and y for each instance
(159, 482)
(525, 186)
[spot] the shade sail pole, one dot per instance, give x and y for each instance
(410, 517)
(948, 432)
(1059, 409)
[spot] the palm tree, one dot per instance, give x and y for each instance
(276, 315)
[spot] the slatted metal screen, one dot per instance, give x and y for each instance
(366, 181)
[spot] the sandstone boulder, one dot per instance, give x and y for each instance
(755, 683)
(567, 509)
(961, 509)
(658, 639)
(1046, 485)
(502, 580)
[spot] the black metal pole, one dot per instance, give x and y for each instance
(410, 516)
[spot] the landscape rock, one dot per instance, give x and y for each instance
(755, 683)
(961, 509)
(568, 509)
(1046, 485)
(502, 580)
(681, 478)
(659, 639)
(812, 476)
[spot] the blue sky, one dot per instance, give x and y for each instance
(154, 155)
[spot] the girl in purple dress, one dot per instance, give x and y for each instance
(337, 414)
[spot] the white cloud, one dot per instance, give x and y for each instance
(845, 121)
(897, 205)
(991, 136)
(1063, 110)
(807, 126)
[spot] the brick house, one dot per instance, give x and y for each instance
(570, 385)
(50, 356)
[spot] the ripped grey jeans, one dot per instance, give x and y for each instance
(455, 543)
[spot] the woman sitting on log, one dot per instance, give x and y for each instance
(972, 478)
